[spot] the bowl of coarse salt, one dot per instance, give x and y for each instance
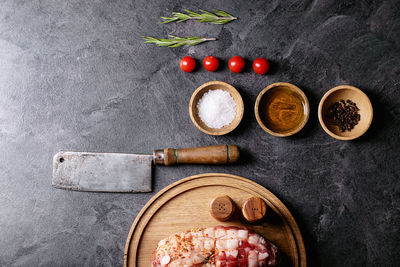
(216, 108)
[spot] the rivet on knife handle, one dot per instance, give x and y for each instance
(220, 154)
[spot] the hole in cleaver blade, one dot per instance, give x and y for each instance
(102, 172)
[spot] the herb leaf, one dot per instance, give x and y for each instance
(218, 17)
(175, 41)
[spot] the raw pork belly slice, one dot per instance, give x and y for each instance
(218, 247)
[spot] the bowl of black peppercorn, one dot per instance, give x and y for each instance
(345, 112)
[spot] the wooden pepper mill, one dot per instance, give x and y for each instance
(222, 208)
(254, 209)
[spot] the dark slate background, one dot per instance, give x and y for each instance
(75, 75)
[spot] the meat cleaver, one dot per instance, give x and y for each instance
(117, 172)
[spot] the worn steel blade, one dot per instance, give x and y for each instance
(102, 172)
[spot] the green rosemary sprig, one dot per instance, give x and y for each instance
(218, 17)
(176, 41)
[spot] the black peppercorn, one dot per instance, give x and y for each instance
(344, 114)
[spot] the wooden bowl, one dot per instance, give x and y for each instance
(198, 94)
(293, 91)
(357, 96)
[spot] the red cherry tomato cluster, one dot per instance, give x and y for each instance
(236, 64)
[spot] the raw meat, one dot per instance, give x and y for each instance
(215, 247)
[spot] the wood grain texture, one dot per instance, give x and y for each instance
(185, 204)
(198, 94)
(357, 96)
(254, 209)
(219, 154)
(222, 208)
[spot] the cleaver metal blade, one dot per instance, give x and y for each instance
(102, 172)
(118, 172)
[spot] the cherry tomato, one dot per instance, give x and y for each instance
(211, 63)
(187, 64)
(260, 65)
(236, 64)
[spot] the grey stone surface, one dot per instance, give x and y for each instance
(75, 75)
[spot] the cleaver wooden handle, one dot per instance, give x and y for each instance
(220, 154)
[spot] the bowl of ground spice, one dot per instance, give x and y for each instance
(216, 108)
(282, 109)
(345, 112)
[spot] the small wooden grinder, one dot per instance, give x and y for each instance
(254, 209)
(222, 208)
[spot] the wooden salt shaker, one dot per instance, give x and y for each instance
(254, 209)
(222, 208)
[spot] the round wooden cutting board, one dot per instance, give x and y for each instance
(184, 205)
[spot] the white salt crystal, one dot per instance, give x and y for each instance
(217, 108)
